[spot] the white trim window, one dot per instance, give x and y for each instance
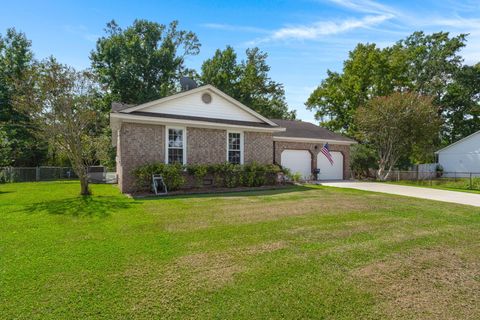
(235, 147)
(175, 145)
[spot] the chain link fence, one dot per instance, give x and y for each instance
(444, 179)
(96, 174)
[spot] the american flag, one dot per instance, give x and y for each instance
(326, 152)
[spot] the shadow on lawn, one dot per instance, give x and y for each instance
(98, 206)
(226, 193)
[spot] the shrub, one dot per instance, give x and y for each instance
(172, 175)
(439, 170)
(292, 176)
(249, 175)
(199, 171)
(295, 177)
(271, 172)
(227, 174)
(216, 170)
(233, 175)
(224, 174)
(255, 175)
(475, 183)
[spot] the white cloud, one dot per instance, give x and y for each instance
(373, 15)
(321, 29)
(325, 28)
(378, 13)
(365, 6)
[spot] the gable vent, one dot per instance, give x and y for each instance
(206, 98)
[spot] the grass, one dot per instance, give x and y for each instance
(302, 252)
(458, 184)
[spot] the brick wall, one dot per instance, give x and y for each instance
(344, 149)
(210, 146)
(118, 163)
(138, 144)
(258, 147)
(206, 145)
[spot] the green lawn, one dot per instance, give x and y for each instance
(458, 184)
(303, 252)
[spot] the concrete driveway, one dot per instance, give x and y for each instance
(417, 192)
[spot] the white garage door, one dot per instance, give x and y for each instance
(328, 171)
(298, 161)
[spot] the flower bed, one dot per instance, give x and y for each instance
(198, 176)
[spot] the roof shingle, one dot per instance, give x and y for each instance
(301, 129)
(213, 120)
(119, 106)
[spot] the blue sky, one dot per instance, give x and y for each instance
(303, 38)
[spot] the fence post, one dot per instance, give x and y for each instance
(37, 174)
(471, 185)
(398, 175)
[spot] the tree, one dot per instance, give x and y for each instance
(62, 102)
(144, 61)
(247, 81)
(16, 60)
(421, 63)
(432, 62)
(462, 104)
(395, 125)
(223, 71)
(365, 74)
(362, 159)
(5, 150)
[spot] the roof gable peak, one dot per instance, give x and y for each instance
(459, 141)
(242, 109)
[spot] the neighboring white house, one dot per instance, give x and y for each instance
(461, 156)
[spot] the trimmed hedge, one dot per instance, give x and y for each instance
(227, 175)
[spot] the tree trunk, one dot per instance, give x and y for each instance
(388, 173)
(381, 171)
(84, 189)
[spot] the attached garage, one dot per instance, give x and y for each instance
(298, 148)
(330, 171)
(297, 161)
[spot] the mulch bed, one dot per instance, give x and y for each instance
(140, 195)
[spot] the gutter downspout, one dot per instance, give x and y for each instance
(274, 160)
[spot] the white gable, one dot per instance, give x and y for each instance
(462, 156)
(192, 105)
(470, 144)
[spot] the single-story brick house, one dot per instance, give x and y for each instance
(205, 125)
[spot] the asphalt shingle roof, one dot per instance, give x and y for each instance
(214, 120)
(119, 106)
(301, 129)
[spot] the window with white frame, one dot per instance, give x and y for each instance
(235, 148)
(175, 145)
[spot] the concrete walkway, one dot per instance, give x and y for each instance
(417, 192)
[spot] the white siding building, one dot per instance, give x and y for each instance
(461, 156)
